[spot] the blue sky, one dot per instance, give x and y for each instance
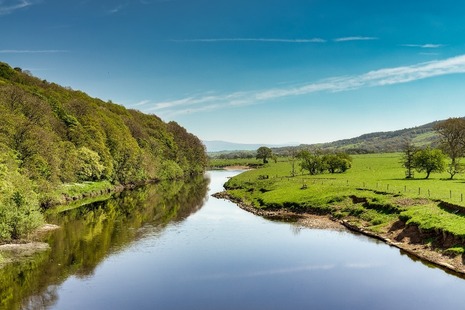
(252, 71)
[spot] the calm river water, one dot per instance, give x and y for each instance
(172, 246)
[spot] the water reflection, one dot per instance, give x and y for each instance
(90, 233)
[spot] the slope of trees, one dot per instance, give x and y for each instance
(50, 135)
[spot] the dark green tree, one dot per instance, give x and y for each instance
(429, 160)
(337, 162)
(312, 162)
(452, 143)
(264, 153)
(407, 160)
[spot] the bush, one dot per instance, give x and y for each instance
(19, 205)
(169, 170)
(18, 216)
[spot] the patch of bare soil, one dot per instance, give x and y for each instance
(320, 222)
(425, 246)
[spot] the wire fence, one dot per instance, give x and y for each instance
(410, 190)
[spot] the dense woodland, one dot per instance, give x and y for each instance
(51, 135)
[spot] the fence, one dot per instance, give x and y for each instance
(422, 191)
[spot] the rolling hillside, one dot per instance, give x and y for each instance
(379, 142)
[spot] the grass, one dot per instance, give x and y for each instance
(374, 191)
(79, 191)
(220, 163)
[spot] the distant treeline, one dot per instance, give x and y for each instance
(50, 135)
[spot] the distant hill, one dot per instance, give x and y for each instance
(220, 146)
(378, 142)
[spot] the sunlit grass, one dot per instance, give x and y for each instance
(377, 180)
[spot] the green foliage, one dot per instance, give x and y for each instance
(455, 251)
(452, 142)
(429, 160)
(56, 135)
(373, 193)
(318, 162)
(264, 153)
(170, 170)
(337, 162)
(19, 212)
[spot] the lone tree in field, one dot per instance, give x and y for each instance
(452, 133)
(429, 160)
(264, 153)
(408, 159)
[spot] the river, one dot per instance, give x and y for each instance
(173, 246)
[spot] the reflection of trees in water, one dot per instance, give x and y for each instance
(90, 232)
(42, 301)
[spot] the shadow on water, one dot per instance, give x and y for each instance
(90, 233)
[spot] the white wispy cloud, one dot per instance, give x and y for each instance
(381, 77)
(115, 9)
(139, 104)
(32, 51)
(277, 40)
(9, 6)
(429, 45)
(355, 38)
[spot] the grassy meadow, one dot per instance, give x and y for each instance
(373, 193)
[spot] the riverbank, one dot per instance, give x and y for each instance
(407, 237)
(25, 248)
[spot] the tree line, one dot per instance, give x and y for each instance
(51, 135)
(429, 160)
(315, 162)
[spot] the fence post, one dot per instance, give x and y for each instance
(450, 194)
(387, 188)
(419, 190)
(428, 193)
(405, 188)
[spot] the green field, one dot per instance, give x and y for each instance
(373, 193)
(216, 163)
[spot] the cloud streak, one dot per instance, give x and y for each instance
(375, 78)
(32, 51)
(356, 38)
(276, 40)
(115, 9)
(423, 45)
(8, 7)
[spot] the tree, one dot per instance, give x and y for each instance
(337, 162)
(264, 153)
(452, 133)
(408, 159)
(429, 160)
(313, 162)
(292, 159)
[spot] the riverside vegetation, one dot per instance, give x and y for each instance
(423, 216)
(58, 144)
